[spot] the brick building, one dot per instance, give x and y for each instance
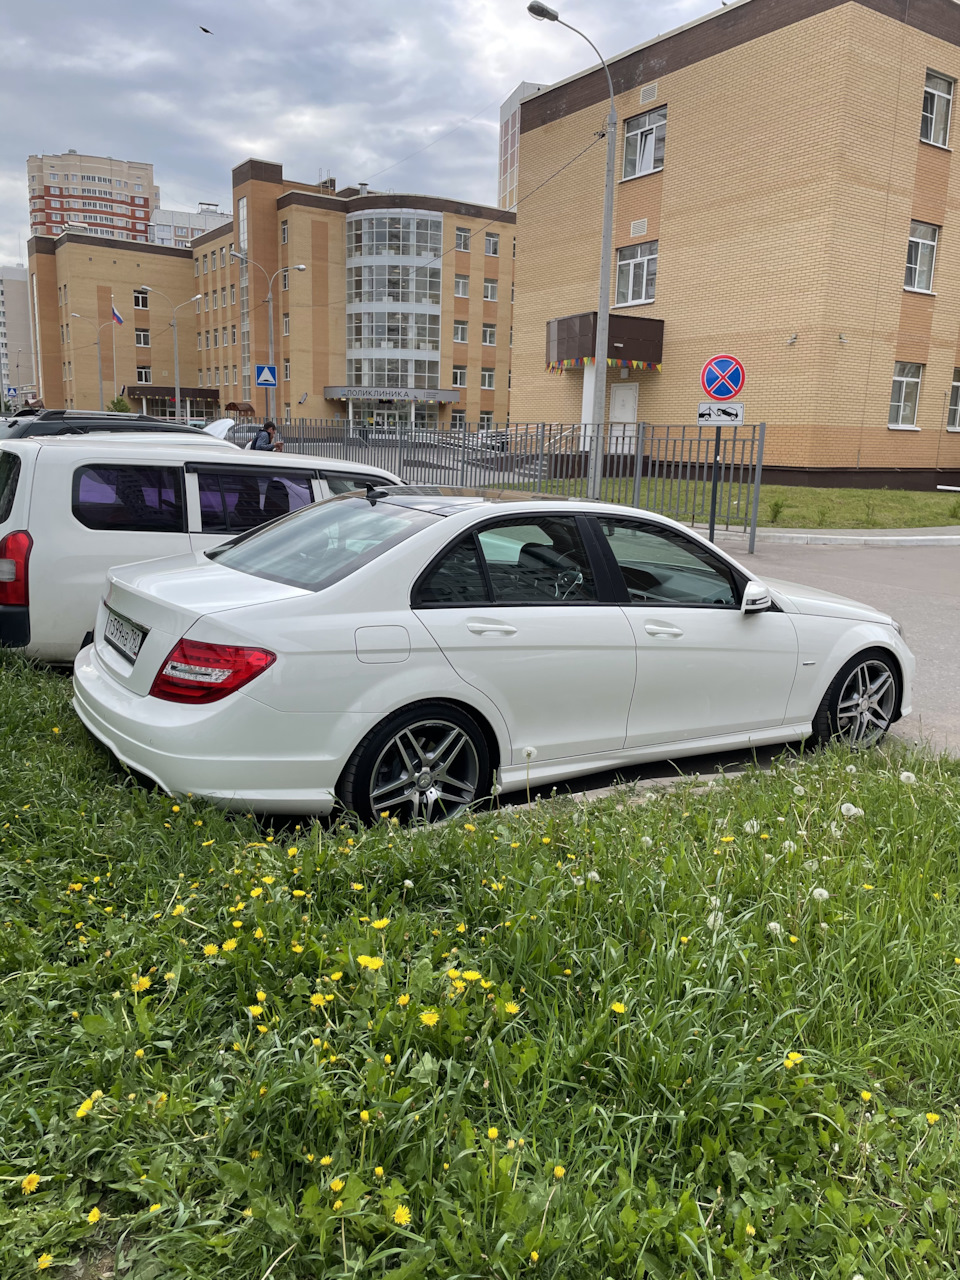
(107, 197)
(403, 312)
(786, 192)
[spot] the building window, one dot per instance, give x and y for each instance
(286, 370)
(206, 302)
(486, 421)
(461, 286)
(233, 335)
(223, 296)
(216, 299)
(491, 245)
(142, 337)
(486, 379)
(233, 295)
(458, 420)
(489, 336)
(646, 138)
(216, 376)
(286, 324)
(285, 278)
(905, 394)
(234, 375)
(206, 339)
(953, 413)
(637, 272)
(463, 239)
(283, 233)
(921, 252)
(937, 102)
(223, 336)
(196, 266)
(213, 260)
(223, 263)
(204, 264)
(199, 341)
(216, 337)
(489, 290)
(460, 331)
(141, 300)
(144, 374)
(459, 378)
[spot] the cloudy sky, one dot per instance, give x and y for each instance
(349, 86)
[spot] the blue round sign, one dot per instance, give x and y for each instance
(722, 377)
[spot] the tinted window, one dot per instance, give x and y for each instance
(347, 482)
(324, 542)
(9, 474)
(662, 566)
(148, 499)
(233, 501)
(537, 561)
(456, 579)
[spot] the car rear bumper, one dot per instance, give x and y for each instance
(148, 735)
(14, 626)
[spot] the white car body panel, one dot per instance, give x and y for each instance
(563, 689)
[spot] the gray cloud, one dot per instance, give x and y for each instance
(312, 84)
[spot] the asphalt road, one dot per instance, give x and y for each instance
(919, 586)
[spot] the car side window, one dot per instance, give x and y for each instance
(9, 474)
(660, 565)
(348, 482)
(540, 560)
(456, 579)
(233, 501)
(130, 498)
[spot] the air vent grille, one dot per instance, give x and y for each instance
(638, 228)
(648, 93)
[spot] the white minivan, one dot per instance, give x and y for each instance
(72, 507)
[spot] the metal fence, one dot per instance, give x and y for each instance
(700, 475)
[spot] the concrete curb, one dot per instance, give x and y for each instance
(847, 538)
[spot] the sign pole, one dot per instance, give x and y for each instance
(715, 479)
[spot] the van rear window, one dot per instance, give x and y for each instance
(234, 500)
(9, 475)
(136, 499)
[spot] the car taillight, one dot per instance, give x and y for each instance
(195, 672)
(14, 560)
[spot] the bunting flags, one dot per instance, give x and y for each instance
(558, 366)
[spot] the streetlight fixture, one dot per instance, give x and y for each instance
(75, 315)
(147, 288)
(543, 13)
(249, 262)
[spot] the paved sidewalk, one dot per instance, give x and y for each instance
(948, 536)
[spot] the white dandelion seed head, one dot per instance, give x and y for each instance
(408, 884)
(578, 881)
(811, 864)
(774, 928)
(646, 842)
(850, 810)
(751, 826)
(593, 877)
(820, 895)
(851, 768)
(835, 830)
(788, 846)
(714, 920)
(714, 902)
(908, 777)
(799, 791)
(824, 927)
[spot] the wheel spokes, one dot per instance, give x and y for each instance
(428, 769)
(866, 703)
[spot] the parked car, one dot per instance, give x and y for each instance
(398, 652)
(72, 506)
(54, 422)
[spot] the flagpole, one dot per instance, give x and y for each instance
(113, 327)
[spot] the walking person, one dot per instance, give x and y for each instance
(266, 439)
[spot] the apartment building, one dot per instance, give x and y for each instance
(785, 194)
(96, 194)
(177, 228)
(16, 352)
(509, 153)
(388, 309)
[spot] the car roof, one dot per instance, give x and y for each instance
(447, 500)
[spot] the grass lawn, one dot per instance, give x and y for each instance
(715, 1034)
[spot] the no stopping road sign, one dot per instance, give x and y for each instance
(722, 377)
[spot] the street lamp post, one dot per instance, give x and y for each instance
(594, 474)
(75, 315)
(173, 324)
(242, 257)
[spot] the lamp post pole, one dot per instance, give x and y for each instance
(241, 257)
(75, 315)
(595, 469)
(147, 288)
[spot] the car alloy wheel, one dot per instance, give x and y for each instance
(422, 764)
(861, 703)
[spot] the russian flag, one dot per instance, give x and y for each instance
(116, 315)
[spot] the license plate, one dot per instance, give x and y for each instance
(123, 635)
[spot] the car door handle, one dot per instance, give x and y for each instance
(479, 627)
(661, 629)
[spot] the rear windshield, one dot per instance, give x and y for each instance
(350, 481)
(324, 543)
(9, 474)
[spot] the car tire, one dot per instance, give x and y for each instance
(862, 702)
(426, 762)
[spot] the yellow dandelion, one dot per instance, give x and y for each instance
(269, 879)
(296, 948)
(258, 933)
(364, 1117)
(493, 1133)
(430, 1017)
(93, 1217)
(866, 1095)
(326, 1161)
(316, 999)
(255, 893)
(29, 1184)
(44, 1261)
(229, 945)
(138, 1053)
(471, 975)
(558, 1171)
(750, 1229)
(356, 886)
(373, 963)
(380, 924)
(461, 927)
(403, 1000)
(337, 1206)
(534, 1256)
(337, 1185)
(402, 1215)
(932, 1117)
(211, 949)
(254, 1010)
(178, 910)
(618, 1007)
(511, 1007)
(684, 939)
(387, 1059)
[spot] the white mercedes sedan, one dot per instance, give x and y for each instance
(407, 650)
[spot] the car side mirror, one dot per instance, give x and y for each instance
(756, 598)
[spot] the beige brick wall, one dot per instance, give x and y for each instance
(793, 167)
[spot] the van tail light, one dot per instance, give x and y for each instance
(15, 551)
(195, 672)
